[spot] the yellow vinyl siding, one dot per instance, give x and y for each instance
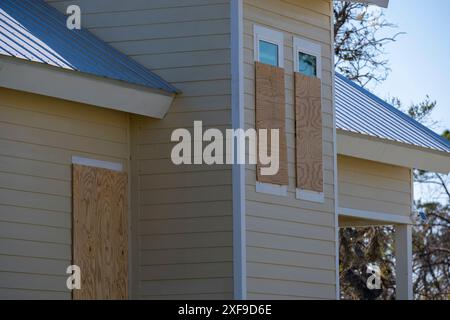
(373, 186)
(38, 137)
(290, 242)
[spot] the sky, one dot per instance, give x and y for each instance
(420, 59)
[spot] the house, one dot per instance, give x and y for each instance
(86, 176)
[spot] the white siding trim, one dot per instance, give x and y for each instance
(272, 189)
(376, 216)
(308, 47)
(311, 196)
(115, 166)
(238, 171)
(268, 35)
(335, 162)
(403, 262)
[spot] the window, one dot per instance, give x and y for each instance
(269, 50)
(307, 64)
(268, 53)
(308, 110)
(269, 47)
(307, 58)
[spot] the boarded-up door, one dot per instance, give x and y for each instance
(100, 232)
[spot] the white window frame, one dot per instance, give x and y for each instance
(277, 38)
(271, 36)
(314, 49)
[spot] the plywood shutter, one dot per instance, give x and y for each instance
(270, 114)
(100, 232)
(308, 118)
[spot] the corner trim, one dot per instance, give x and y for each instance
(238, 171)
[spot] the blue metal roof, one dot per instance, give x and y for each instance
(359, 111)
(35, 31)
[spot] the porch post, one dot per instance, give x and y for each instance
(403, 261)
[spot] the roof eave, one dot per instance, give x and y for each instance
(391, 152)
(380, 3)
(80, 87)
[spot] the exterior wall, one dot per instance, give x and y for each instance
(181, 216)
(38, 137)
(373, 186)
(291, 243)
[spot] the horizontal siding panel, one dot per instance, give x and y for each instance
(63, 108)
(33, 265)
(187, 240)
(35, 200)
(292, 288)
(190, 225)
(166, 30)
(65, 124)
(21, 294)
(373, 205)
(165, 15)
(61, 140)
(200, 296)
(186, 256)
(194, 194)
(35, 249)
(33, 281)
(97, 7)
(289, 273)
(186, 286)
(35, 184)
(185, 210)
(35, 216)
(35, 233)
(290, 258)
(187, 271)
(289, 228)
(296, 244)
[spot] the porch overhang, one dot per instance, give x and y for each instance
(391, 152)
(39, 78)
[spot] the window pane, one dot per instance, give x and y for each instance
(308, 64)
(268, 53)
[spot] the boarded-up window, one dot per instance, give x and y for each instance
(270, 114)
(308, 118)
(100, 232)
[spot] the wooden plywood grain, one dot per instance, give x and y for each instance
(100, 232)
(270, 114)
(308, 118)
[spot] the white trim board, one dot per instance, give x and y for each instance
(80, 87)
(381, 217)
(238, 171)
(272, 189)
(308, 195)
(391, 152)
(115, 166)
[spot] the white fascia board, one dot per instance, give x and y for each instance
(380, 218)
(391, 152)
(380, 3)
(80, 87)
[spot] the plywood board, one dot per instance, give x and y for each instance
(270, 114)
(308, 119)
(100, 232)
